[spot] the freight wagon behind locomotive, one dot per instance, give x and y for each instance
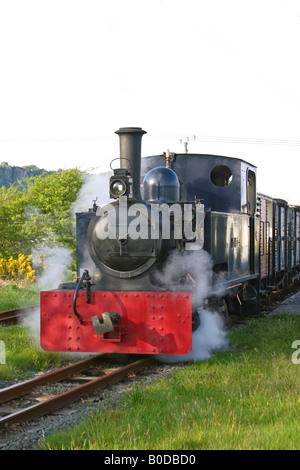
(119, 303)
(279, 243)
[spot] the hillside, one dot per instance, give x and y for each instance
(13, 174)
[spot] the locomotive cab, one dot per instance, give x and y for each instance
(227, 188)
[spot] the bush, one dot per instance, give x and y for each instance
(19, 269)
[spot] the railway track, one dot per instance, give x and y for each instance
(12, 316)
(48, 405)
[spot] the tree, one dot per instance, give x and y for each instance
(39, 214)
(12, 219)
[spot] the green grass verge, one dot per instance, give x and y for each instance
(244, 398)
(22, 356)
(12, 296)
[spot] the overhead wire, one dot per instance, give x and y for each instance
(158, 138)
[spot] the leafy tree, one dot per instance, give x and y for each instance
(39, 214)
(12, 219)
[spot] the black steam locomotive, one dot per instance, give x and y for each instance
(194, 233)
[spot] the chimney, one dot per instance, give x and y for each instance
(130, 155)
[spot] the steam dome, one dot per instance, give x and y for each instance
(161, 184)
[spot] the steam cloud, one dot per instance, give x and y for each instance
(197, 264)
(56, 261)
(210, 336)
(94, 187)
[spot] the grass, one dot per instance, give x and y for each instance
(23, 356)
(243, 398)
(13, 296)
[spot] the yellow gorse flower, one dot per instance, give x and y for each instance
(17, 269)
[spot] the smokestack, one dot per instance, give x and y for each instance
(130, 154)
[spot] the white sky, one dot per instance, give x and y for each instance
(72, 72)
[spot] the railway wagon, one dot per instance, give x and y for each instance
(279, 242)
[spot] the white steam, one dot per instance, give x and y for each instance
(208, 338)
(196, 268)
(95, 188)
(56, 262)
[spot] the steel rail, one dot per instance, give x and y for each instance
(63, 399)
(13, 315)
(18, 390)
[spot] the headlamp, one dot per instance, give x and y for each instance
(118, 188)
(120, 183)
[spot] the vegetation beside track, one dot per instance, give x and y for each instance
(243, 398)
(23, 356)
(14, 296)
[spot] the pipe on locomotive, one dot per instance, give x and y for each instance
(130, 155)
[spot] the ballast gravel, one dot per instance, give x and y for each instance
(28, 436)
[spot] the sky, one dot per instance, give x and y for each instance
(223, 74)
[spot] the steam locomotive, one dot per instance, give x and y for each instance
(195, 224)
